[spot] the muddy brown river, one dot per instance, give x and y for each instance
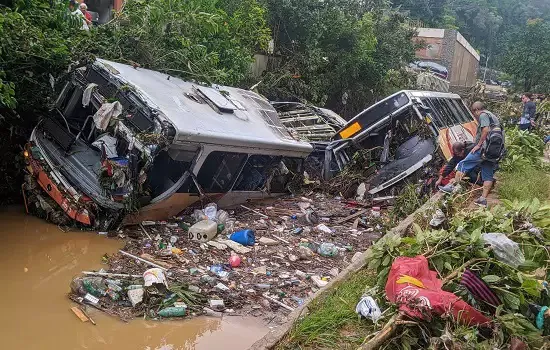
(37, 263)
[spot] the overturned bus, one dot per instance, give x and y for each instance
(404, 131)
(126, 145)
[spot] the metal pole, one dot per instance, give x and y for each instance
(486, 65)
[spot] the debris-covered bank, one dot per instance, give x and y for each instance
(290, 248)
(458, 279)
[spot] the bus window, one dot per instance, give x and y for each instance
(434, 115)
(255, 172)
(219, 171)
(463, 111)
(285, 171)
(165, 172)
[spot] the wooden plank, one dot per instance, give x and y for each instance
(352, 216)
(79, 314)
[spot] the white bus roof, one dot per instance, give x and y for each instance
(231, 116)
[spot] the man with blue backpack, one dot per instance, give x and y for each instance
(488, 150)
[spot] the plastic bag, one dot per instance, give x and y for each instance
(368, 308)
(422, 303)
(210, 211)
(504, 248)
(438, 218)
(327, 250)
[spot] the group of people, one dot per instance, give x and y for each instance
(81, 10)
(479, 160)
(476, 160)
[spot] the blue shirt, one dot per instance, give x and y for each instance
(529, 111)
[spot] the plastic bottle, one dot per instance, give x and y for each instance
(327, 250)
(244, 237)
(211, 210)
(262, 286)
(172, 312)
(95, 286)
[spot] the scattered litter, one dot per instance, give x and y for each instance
(234, 261)
(217, 304)
(504, 248)
(268, 241)
(172, 311)
(170, 269)
(203, 231)
(244, 237)
(438, 218)
(323, 228)
(368, 308)
(238, 248)
(318, 281)
(136, 295)
(327, 250)
(78, 312)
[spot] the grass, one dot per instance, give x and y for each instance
(524, 184)
(332, 322)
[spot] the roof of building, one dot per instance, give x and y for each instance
(215, 115)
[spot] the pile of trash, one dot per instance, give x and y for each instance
(463, 279)
(262, 260)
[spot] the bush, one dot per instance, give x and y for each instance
(205, 40)
(525, 149)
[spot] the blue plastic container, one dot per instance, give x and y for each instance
(244, 237)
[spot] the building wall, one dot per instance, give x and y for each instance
(450, 49)
(432, 50)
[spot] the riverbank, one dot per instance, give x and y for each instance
(332, 322)
(38, 261)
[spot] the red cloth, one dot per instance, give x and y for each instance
(88, 16)
(423, 303)
(445, 181)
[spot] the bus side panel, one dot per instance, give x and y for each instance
(241, 197)
(163, 210)
(457, 133)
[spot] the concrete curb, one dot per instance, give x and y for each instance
(271, 339)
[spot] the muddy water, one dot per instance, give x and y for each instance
(37, 263)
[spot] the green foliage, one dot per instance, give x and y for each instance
(407, 202)
(524, 149)
(460, 243)
(337, 53)
(194, 39)
(38, 41)
(527, 55)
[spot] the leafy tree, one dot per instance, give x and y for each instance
(196, 39)
(527, 55)
(431, 12)
(333, 56)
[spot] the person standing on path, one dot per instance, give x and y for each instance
(527, 119)
(487, 122)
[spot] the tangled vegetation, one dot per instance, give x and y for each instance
(459, 245)
(343, 54)
(210, 41)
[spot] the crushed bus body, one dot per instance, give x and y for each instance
(125, 145)
(405, 131)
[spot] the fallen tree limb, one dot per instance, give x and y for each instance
(455, 273)
(385, 333)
